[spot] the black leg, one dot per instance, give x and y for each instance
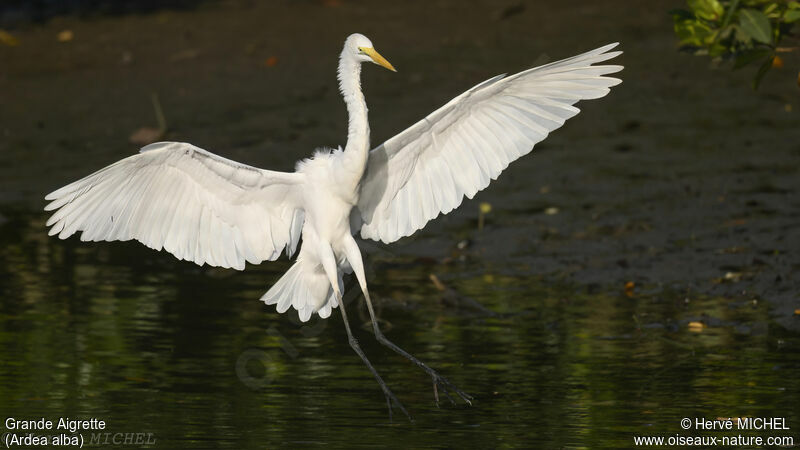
(390, 397)
(438, 380)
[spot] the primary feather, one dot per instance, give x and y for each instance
(196, 205)
(458, 149)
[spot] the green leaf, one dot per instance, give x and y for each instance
(756, 24)
(692, 33)
(727, 32)
(791, 15)
(706, 9)
(749, 56)
(762, 71)
(728, 15)
(711, 39)
(717, 50)
(770, 9)
(741, 37)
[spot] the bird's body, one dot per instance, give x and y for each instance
(210, 210)
(327, 238)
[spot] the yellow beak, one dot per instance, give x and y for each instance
(377, 58)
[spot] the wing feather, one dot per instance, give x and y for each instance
(196, 205)
(458, 149)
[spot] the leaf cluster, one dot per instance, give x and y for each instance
(745, 31)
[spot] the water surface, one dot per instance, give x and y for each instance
(149, 344)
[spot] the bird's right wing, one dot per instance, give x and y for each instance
(456, 150)
(196, 205)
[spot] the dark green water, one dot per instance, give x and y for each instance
(149, 344)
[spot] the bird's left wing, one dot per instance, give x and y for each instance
(456, 150)
(196, 205)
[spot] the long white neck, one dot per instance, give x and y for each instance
(356, 150)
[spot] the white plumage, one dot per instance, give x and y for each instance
(210, 210)
(196, 205)
(456, 150)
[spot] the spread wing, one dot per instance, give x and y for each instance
(196, 205)
(459, 148)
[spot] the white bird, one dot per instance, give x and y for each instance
(210, 210)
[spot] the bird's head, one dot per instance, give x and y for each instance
(362, 50)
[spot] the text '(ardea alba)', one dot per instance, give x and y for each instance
(204, 208)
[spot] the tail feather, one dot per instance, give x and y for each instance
(306, 288)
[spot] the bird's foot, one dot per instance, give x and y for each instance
(444, 383)
(391, 398)
(438, 380)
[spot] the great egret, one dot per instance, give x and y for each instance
(204, 208)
